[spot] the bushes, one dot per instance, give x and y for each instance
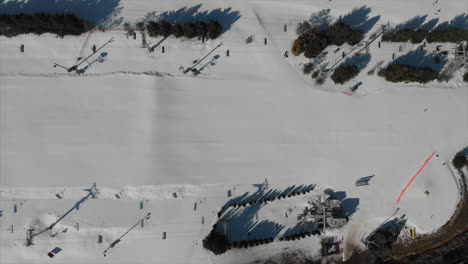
(419, 35)
(459, 161)
(465, 77)
(201, 29)
(307, 68)
(448, 35)
(315, 74)
(39, 23)
(161, 28)
(339, 33)
(298, 47)
(303, 27)
(406, 73)
(404, 35)
(313, 42)
(164, 28)
(152, 28)
(177, 30)
(344, 73)
(416, 36)
(214, 29)
(188, 30)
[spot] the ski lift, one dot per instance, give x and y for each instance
(73, 68)
(114, 243)
(195, 72)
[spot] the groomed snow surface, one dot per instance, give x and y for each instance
(147, 133)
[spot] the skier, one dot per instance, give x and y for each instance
(286, 54)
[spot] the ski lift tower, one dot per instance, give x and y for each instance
(92, 192)
(144, 44)
(461, 54)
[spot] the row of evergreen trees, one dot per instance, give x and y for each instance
(313, 41)
(344, 73)
(189, 30)
(418, 35)
(405, 73)
(39, 23)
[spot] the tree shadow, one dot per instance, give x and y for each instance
(358, 18)
(460, 21)
(417, 22)
(94, 11)
(413, 23)
(361, 60)
(226, 17)
(320, 58)
(422, 59)
(430, 25)
(321, 19)
(463, 152)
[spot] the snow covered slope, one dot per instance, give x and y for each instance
(135, 120)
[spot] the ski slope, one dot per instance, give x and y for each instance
(137, 126)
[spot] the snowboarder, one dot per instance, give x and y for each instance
(22, 48)
(94, 48)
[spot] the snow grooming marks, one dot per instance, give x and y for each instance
(414, 177)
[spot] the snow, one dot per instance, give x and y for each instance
(137, 126)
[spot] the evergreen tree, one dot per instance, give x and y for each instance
(201, 28)
(190, 31)
(214, 29)
(177, 30)
(153, 29)
(164, 28)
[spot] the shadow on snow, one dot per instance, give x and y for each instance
(226, 17)
(422, 59)
(361, 61)
(358, 18)
(460, 21)
(94, 11)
